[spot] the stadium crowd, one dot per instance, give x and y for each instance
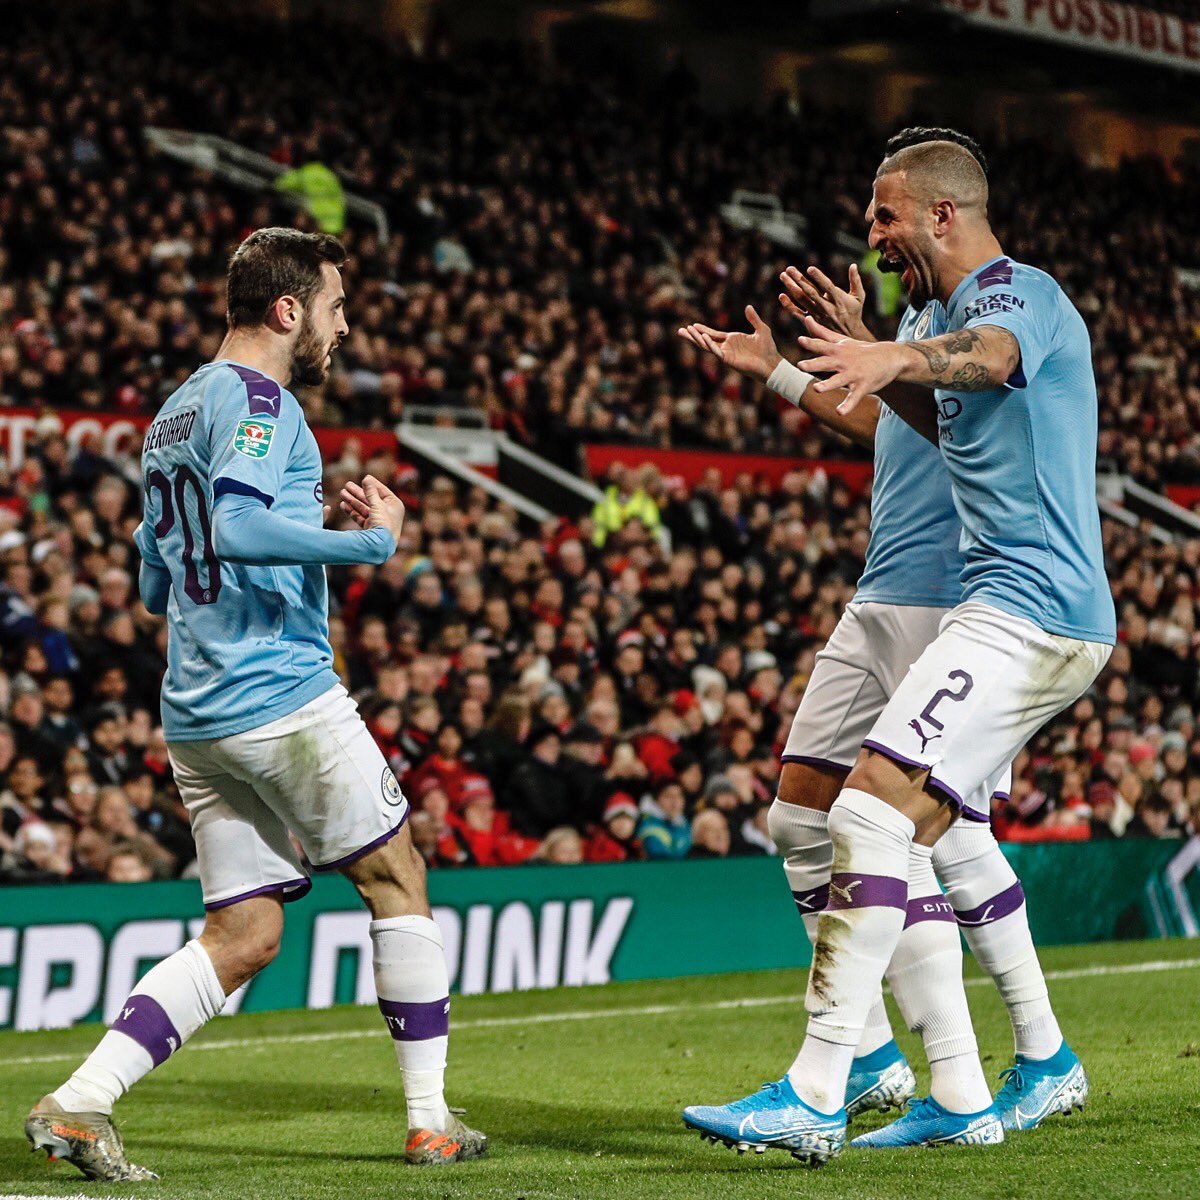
(546, 236)
(571, 694)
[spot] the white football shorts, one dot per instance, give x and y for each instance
(978, 693)
(315, 774)
(865, 660)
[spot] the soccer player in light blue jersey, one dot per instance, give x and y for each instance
(992, 676)
(265, 743)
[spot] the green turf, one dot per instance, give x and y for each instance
(589, 1107)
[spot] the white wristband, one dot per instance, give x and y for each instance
(789, 381)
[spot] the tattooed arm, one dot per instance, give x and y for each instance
(968, 360)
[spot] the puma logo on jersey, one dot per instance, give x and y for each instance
(916, 725)
(846, 891)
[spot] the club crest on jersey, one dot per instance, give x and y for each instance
(253, 438)
(923, 323)
(391, 788)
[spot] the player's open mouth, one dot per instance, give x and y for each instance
(895, 265)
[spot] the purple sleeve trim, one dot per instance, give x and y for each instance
(292, 889)
(235, 487)
(355, 855)
(263, 395)
(894, 755)
(1008, 901)
(850, 890)
(807, 760)
(928, 908)
(409, 1022)
(812, 901)
(145, 1020)
(969, 814)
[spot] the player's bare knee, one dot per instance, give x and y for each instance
(243, 939)
(391, 879)
(810, 786)
(880, 776)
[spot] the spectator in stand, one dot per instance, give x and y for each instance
(710, 835)
(444, 763)
(539, 794)
(563, 847)
(664, 829)
(35, 857)
(127, 865)
(616, 840)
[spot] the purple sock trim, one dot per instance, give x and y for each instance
(416, 1022)
(928, 908)
(1008, 901)
(145, 1020)
(850, 890)
(812, 901)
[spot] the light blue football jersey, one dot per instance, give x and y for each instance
(246, 644)
(914, 556)
(1022, 459)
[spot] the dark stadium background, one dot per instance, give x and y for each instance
(537, 197)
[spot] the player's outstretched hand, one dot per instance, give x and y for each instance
(816, 295)
(372, 504)
(862, 368)
(753, 353)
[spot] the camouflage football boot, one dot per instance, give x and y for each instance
(88, 1139)
(426, 1148)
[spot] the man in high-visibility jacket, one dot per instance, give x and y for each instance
(621, 504)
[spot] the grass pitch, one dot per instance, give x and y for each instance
(580, 1091)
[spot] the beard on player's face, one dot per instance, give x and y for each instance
(911, 258)
(310, 358)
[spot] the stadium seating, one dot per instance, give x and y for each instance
(581, 678)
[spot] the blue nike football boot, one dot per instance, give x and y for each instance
(1036, 1088)
(773, 1117)
(927, 1123)
(879, 1081)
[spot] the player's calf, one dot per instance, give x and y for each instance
(413, 987)
(169, 1004)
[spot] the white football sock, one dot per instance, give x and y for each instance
(990, 907)
(413, 987)
(857, 933)
(802, 836)
(926, 978)
(168, 1004)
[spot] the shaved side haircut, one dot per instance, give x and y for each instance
(940, 170)
(915, 135)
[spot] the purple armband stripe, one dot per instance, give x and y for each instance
(235, 487)
(408, 1022)
(145, 1020)
(1007, 901)
(847, 889)
(928, 908)
(812, 901)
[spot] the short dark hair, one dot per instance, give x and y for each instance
(916, 135)
(276, 262)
